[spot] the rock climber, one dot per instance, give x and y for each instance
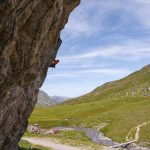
(54, 63)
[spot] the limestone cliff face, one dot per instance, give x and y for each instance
(29, 39)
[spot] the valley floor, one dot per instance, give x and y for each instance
(57, 145)
(114, 118)
(50, 143)
(119, 109)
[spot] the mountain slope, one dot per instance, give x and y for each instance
(112, 108)
(135, 85)
(45, 100)
(59, 99)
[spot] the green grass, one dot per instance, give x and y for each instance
(118, 115)
(72, 135)
(76, 138)
(72, 138)
(63, 134)
(121, 105)
(145, 136)
(23, 145)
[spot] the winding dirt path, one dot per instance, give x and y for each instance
(50, 144)
(137, 130)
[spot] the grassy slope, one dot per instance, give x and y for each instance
(145, 134)
(134, 85)
(121, 105)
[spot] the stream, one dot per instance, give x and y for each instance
(94, 135)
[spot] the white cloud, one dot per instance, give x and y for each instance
(61, 75)
(95, 72)
(90, 16)
(106, 71)
(76, 28)
(95, 52)
(129, 50)
(140, 10)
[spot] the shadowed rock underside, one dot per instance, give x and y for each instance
(29, 40)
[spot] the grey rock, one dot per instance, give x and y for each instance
(29, 40)
(45, 100)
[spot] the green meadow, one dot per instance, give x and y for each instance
(114, 109)
(119, 116)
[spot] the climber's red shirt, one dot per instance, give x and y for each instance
(55, 62)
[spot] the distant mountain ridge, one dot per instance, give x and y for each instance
(59, 99)
(45, 100)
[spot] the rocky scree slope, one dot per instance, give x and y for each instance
(29, 39)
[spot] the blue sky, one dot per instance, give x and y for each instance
(104, 40)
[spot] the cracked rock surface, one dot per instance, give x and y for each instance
(29, 40)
